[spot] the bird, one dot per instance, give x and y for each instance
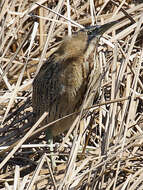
(61, 83)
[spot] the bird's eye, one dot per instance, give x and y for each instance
(89, 32)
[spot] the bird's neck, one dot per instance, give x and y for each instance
(89, 56)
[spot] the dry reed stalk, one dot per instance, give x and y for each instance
(111, 158)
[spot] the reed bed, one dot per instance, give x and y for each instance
(103, 149)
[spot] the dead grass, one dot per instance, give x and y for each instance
(103, 152)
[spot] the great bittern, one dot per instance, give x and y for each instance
(61, 83)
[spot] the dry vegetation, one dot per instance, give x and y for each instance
(103, 152)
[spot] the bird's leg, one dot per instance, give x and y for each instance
(49, 138)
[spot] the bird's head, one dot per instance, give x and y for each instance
(97, 31)
(77, 44)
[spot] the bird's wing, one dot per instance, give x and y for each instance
(47, 89)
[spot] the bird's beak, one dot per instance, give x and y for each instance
(103, 28)
(98, 30)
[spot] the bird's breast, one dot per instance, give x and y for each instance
(73, 79)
